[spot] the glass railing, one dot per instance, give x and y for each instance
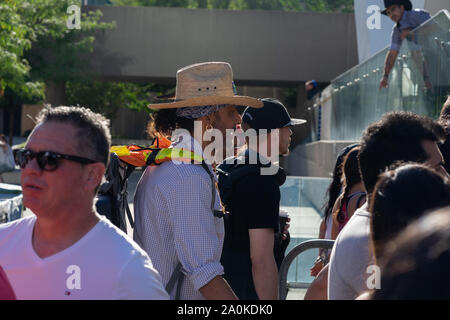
(303, 198)
(357, 100)
(312, 113)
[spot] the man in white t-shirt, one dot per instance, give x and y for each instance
(66, 250)
(398, 136)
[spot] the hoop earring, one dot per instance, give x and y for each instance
(209, 127)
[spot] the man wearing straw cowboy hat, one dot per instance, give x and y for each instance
(178, 211)
(406, 19)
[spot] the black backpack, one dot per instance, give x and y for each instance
(230, 174)
(112, 196)
(111, 200)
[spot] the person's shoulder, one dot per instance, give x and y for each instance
(356, 232)
(117, 242)
(15, 233)
(17, 224)
(181, 170)
(173, 175)
(256, 178)
(363, 211)
(420, 14)
(137, 277)
(352, 245)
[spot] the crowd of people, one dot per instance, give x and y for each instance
(402, 163)
(212, 231)
(207, 227)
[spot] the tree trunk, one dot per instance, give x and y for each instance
(11, 127)
(55, 93)
(202, 3)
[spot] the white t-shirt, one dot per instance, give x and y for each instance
(350, 257)
(104, 264)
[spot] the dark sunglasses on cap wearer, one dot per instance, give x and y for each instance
(47, 160)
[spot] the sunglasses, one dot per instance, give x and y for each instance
(47, 160)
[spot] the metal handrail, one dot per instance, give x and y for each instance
(287, 261)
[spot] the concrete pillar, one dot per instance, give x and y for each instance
(301, 132)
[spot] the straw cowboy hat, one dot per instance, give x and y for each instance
(205, 84)
(406, 3)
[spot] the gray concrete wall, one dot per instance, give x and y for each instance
(263, 47)
(316, 159)
(434, 6)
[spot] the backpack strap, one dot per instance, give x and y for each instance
(177, 277)
(129, 215)
(216, 213)
(359, 200)
(129, 170)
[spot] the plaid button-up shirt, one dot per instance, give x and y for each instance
(174, 222)
(410, 20)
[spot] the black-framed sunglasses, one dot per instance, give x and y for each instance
(47, 160)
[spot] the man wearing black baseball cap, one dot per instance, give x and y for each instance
(406, 19)
(273, 115)
(251, 253)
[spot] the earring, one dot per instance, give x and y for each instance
(209, 126)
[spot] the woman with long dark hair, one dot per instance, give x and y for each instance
(352, 196)
(333, 192)
(353, 193)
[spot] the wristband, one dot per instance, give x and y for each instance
(386, 76)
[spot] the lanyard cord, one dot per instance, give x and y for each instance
(217, 213)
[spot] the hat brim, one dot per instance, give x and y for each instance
(209, 100)
(295, 122)
(407, 4)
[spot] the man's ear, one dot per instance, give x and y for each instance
(94, 175)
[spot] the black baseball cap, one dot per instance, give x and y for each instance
(273, 115)
(406, 3)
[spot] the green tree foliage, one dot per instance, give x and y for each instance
(36, 46)
(284, 5)
(107, 97)
(15, 38)
(60, 53)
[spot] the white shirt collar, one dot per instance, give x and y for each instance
(182, 139)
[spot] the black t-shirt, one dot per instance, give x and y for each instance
(253, 204)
